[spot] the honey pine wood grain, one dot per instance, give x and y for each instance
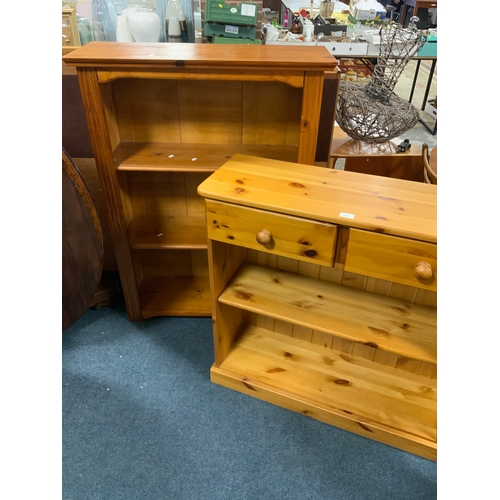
(199, 57)
(289, 236)
(162, 117)
(345, 344)
(339, 389)
(370, 202)
(96, 120)
(374, 320)
(389, 257)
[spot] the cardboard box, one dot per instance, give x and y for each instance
(358, 13)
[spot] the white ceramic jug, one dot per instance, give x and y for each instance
(122, 29)
(174, 9)
(174, 30)
(145, 25)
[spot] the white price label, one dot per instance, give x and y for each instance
(247, 10)
(346, 215)
(231, 29)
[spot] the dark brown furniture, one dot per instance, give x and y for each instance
(82, 244)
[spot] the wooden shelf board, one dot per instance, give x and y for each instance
(160, 232)
(167, 157)
(383, 322)
(374, 400)
(175, 296)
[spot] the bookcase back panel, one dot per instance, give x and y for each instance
(166, 193)
(173, 263)
(207, 112)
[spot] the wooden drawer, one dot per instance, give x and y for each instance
(293, 237)
(392, 258)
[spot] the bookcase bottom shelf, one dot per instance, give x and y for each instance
(175, 296)
(373, 400)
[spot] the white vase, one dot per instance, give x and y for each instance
(122, 30)
(174, 31)
(145, 25)
(174, 9)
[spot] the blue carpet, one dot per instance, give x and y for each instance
(141, 420)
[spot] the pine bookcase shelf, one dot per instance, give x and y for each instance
(166, 157)
(324, 295)
(174, 296)
(384, 403)
(370, 319)
(161, 119)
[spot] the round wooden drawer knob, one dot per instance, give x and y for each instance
(264, 237)
(423, 271)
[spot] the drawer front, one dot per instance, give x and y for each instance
(392, 258)
(284, 235)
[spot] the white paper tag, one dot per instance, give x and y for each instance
(247, 10)
(346, 215)
(231, 29)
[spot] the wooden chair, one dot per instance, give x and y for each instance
(430, 176)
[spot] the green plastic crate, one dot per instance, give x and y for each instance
(224, 39)
(229, 30)
(430, 47)
(244, 14)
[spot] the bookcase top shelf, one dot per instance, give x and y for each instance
(201, 56)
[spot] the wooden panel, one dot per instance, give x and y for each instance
(376, 159)
(223, 261)
(390, 258)
(271, 114)
(370, 319)
(147, 110)
(292, 78)
(291, 237)
(96, 120)
(210, 112)
(156, 193)
(154, 232)
(166, 263)
(309, 122)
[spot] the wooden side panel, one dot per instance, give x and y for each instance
(311, 111)
(224, 260)
(101, 145)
